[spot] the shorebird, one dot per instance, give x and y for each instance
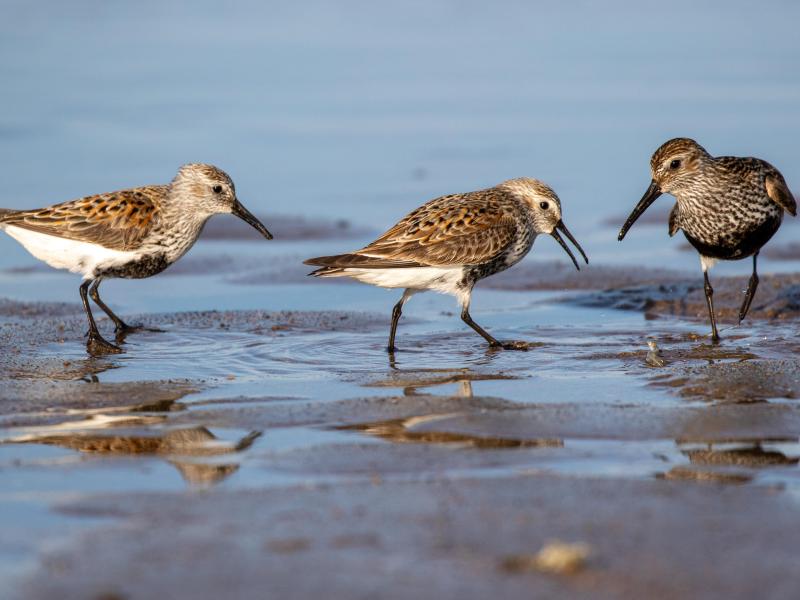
(727, 207)
(450, 243)
(132, 234)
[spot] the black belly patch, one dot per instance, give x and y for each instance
(736, 249)
(146, 266)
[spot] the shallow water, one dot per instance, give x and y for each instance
(251, 400)
(361, 112)
(289, 384)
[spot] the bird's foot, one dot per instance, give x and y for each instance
(124, 329)
(98, 346)
(516, 345)
(510, 345)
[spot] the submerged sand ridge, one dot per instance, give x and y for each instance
(778, 297)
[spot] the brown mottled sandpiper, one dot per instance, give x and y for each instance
(131, 233)
(450, 243)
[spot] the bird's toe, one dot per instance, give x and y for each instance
(125, 329)
(515, 345)
(97, 346)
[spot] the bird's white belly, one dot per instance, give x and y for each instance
(72, 255)
(444, 280)
(706, 262)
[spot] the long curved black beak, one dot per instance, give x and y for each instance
(563, 228)
(649, 197)
(245, 215)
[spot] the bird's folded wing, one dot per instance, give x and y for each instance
(779, 192)
(674, 220)
(453, 230)
(117, 220)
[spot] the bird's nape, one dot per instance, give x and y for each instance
(563, 228)
(649, 197)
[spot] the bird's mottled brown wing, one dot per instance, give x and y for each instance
(674, 215)
(461, 229)
(116, 220)
(779, 192)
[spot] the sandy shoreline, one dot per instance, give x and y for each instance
(302, 449)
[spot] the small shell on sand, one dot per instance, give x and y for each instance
(560, 558)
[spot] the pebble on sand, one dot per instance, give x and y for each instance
(557, 557)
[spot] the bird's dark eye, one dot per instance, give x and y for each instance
(217, 189)
(675, 164)
(544, 205)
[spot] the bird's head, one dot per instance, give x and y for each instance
(544, 208)
(675, 163)
(211, 192)
(673, 168)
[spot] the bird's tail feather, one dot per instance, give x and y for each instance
(328, 272)
(334, 266)
(5, 212)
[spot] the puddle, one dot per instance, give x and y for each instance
(402, 431)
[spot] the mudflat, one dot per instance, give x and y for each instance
(285, 452)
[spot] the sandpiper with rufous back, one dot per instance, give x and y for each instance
(452, 242)
(727, 207)
(131, 234)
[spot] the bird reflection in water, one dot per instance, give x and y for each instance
(731, 461)
(194, 451)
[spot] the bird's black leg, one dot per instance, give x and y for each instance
(709, 295)
(751, 291)
(465, 316)
(396, 312)
(95, 343)
(121, 328)
(94, 294)
(493, 343)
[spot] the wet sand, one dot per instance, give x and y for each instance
(778, 298)
(658, 292)
(434, 537)
(278, 443)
